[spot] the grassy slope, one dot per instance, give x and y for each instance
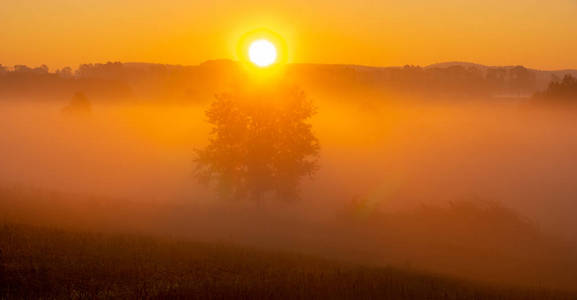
(37, 262)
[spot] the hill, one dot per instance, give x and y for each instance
(47, 263)
(115, 81)
(481, 242)
(543, 77)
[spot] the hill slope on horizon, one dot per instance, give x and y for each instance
(139, 80)
(48, 263)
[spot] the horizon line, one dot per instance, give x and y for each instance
(304, 63)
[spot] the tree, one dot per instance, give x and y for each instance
(22, 69)
(65, 72)
(564, 89)
(260, 143)
(79, 105)
(522, 79)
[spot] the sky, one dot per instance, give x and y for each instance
(535, 33)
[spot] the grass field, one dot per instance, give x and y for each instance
(38, 262)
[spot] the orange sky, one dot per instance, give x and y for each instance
(535, 33)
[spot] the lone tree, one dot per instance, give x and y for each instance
(79, 105)
(260, 143)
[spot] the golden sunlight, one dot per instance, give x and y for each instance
(341, 148)
(262, 53)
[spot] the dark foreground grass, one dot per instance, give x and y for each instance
(47, 263)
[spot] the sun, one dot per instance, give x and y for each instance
(262, 53)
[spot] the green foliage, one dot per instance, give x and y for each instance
(260, 142)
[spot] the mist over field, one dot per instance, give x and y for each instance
(324, 149)
(395, 155)
(475, 187)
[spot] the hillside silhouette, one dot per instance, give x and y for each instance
(90, 265)
(472, 240)
(150, 82)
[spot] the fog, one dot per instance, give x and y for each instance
(479, 189)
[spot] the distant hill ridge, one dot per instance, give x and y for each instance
(223, 62)
(481, 66)
(543, 76)
(193, 82)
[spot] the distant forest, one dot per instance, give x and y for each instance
(116, 81)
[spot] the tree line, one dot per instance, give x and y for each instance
(199, 83)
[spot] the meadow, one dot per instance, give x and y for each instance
(39, 262)
(414, 197)
(315, 149)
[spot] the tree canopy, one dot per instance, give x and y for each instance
(564, 89)
(261, 143)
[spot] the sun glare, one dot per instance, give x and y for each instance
(262, 53)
